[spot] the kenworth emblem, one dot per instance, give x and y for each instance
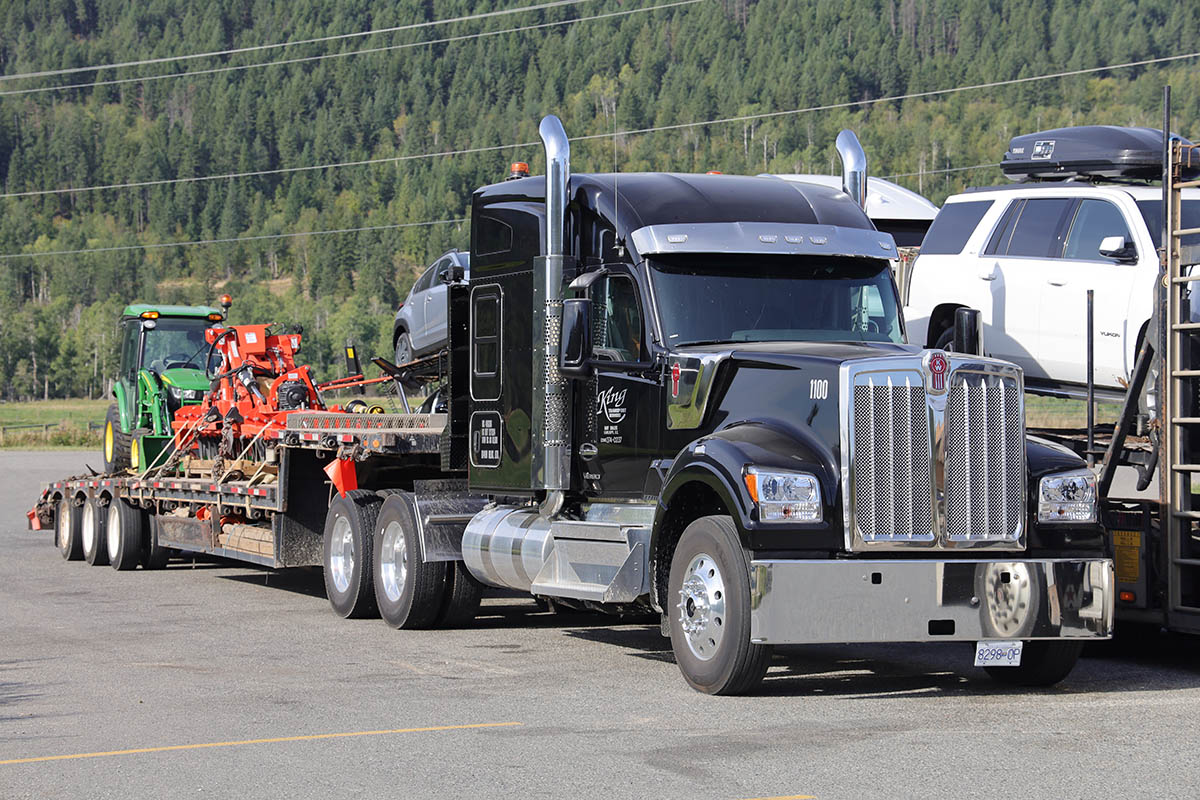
(935, 365)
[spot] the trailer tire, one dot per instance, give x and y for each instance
(116, 442)
(1043, 663)
(95, 548)
(408, 590)
(709, 593)
(124, 531)
(462, 598)
(68, 519)
(154, 555)
(348, 550)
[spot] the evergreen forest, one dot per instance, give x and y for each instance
(314, 180)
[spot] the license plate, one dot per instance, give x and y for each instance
(998, 654)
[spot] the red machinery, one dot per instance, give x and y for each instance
(257, 385)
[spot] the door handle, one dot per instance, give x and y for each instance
(1056, 281)
(988, 273)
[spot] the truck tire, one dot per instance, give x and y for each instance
(68, 520)
(95, 548)
(154, 555)
(462, 597)
(404, 351)
(408, 590)
(708, 600)
(1010, 599)
(349, 548)
(116, 442)
(945, 341)
(124, 532)
(1043, 663)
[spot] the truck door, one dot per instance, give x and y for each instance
(619, 415)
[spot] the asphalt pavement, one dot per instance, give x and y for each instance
(217, 680)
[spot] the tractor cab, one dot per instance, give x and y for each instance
(163, 367)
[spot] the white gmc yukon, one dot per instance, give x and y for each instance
(1025, 255)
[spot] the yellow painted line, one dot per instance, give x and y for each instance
(309, 738)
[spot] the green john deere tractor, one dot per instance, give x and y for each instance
(163, 366)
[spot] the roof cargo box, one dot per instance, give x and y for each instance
(1091, 151)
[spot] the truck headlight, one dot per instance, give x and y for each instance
(1067, 497)
(784, 496)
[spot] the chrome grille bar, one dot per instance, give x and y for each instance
(933, 470)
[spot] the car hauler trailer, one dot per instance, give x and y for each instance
(681, 393)
(1152, 510)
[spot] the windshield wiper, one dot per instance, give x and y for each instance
(702, 342)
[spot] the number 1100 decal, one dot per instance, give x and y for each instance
(818, 389)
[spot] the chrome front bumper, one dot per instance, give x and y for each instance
(809, 602)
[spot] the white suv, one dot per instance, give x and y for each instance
(1025, 256)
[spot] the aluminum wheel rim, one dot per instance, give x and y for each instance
(63, 526)
(1008, 603)
(88, 528)
(702, 607)
(113, 531)
(341, 554)
(393, 562)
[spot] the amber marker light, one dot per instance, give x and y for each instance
(1128, 597)
(149, 315)
(751, 485)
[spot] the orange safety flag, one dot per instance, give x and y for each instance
(344, 475)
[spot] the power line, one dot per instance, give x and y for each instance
(655, 129)
(262, 47)
(364, 51)
(160, 245)
(939, 171)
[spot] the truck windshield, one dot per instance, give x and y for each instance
(709, 298)
(176, 342)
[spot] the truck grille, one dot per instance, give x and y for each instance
(937, 471)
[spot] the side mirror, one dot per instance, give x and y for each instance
(575, 354)
(452, 274)
(968, 332)
(1120, 248)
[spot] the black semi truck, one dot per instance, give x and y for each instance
(685, 394)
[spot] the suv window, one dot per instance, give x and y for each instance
(1036, 233)
(953, 226)
(424, 281)
(998, 244)
(1152, 213)
(1095, 220)
(438, 268)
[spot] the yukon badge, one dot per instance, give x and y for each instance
(935, 367)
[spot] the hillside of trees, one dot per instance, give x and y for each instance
(332, 103)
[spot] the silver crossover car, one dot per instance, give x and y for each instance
(421, 327)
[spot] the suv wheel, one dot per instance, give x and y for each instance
(404, 352)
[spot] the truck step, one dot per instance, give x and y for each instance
(604, 570)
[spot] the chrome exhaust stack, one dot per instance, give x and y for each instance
(854, 167)
(551, 409)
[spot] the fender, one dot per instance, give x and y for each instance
(717, 461)
(119, 393)
(1043, 457)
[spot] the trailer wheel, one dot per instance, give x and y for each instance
(67, 523)
(154, 555)
(116, 442)
(709, 606)
(95, 549)
(408, 589)
(1043, 663)
(125, 529)
(462, 597)
(349, 547)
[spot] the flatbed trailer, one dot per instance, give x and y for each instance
(280, 510)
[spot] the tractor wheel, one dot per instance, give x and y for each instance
(116, 442)
(349, 548)
(463, 595)
(408, 590)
